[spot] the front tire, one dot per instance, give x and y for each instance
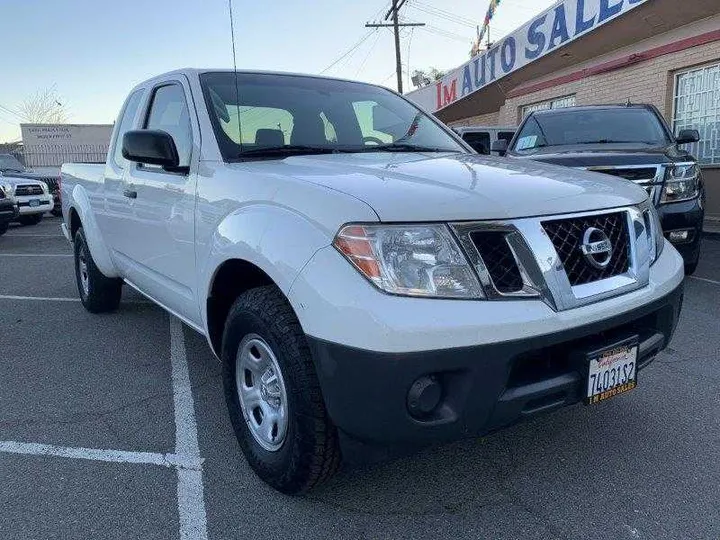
(4, 228)
(273, 394)
(98, 293)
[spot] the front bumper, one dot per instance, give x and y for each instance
(484, 387)
(46, 204)
(684, 216)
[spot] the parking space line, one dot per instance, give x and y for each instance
(187, 463)
(706, 280)
(38, 298)
(191, 501)
(36, 255)
(10, 235)
(60, 299)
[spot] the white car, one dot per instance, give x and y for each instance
(367, 281)
(33, 199)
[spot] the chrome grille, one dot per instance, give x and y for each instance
(567, 238)
(635, 174)
(499, 260)
(25, 190)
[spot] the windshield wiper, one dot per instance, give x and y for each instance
(405, 147)
(288, 150)
(611, 141)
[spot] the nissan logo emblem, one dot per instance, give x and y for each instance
(597, 248)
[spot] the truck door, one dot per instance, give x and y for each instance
(114, 211)
(162, 229)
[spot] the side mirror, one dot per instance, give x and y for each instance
(500, 146)
(152, 147)
(687, 136)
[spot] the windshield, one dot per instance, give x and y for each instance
(295, 114)
(598, 126)
(10, 163)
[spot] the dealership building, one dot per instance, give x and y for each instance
(585, 52)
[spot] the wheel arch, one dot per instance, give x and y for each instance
(231, 279)
(85, 218)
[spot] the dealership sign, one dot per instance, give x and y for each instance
(555, 27)
(65, 134)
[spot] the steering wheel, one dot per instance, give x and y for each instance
(373, 140)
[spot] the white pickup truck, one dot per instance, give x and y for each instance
(367, 281)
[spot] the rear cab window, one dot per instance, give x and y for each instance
(169, 112)
(125, 124)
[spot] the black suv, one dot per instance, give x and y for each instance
(630, 141)
(11, 166)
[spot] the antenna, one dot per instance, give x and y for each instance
(237, 88)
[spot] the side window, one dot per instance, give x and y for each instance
(479, 140)
(262, 126)
(123, 126)
(368, 113)
(330, 133)
(169, 112)
(505, 136)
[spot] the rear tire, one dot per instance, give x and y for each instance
(32, 219)
(298, 447)
(98, 293)
(690, 268)
(4, 228)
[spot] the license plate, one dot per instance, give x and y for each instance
(612, 371)
(34, 202)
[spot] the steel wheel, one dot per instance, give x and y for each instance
(261, 392)
(83, 269)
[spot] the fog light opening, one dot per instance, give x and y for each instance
(681, 236)
(424, 396)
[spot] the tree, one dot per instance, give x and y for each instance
(422, 78)
(44, 107)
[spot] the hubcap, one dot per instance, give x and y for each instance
(83, 270)
(261, 391)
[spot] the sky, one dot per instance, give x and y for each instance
(93, 51)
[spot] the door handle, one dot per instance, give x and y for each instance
(130, 194)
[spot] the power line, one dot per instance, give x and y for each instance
(370, 50)
(450, 18)
(417, 3)
(350, 51)
(445, 33)
(11, 112)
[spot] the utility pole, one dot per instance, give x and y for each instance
(395, 25)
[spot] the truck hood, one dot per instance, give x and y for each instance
(455, 187)
(599, 155)
(15, 179)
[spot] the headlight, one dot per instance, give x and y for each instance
(682, 183)
(7, 190)
(653, 231)
(410, 260)
(45, 188)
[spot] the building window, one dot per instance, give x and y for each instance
(697, 106)
(557, 103)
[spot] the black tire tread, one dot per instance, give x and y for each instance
(105, 292)
(322, 453)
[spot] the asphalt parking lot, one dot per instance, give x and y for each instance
(98, 438)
